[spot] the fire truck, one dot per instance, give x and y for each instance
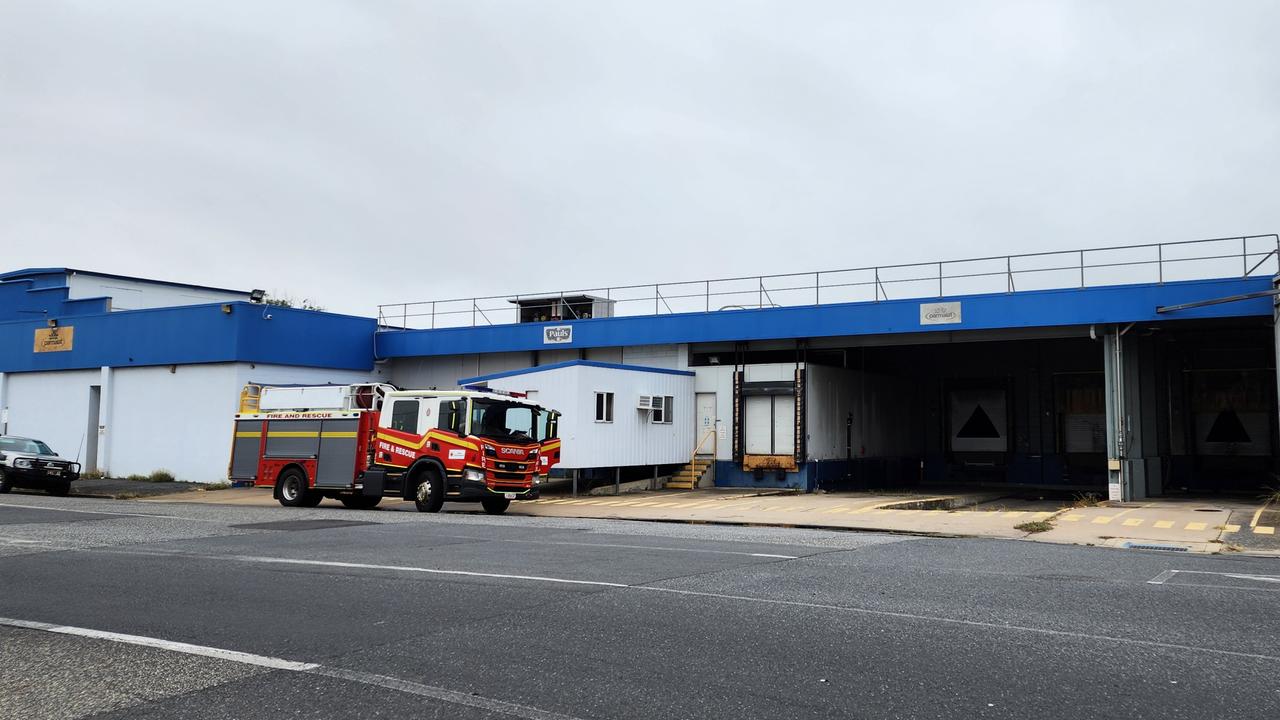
(360, 443)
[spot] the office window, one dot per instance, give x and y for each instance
(604, 407)
(664, 414)
(404, 416)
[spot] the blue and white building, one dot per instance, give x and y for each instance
(1141, 371)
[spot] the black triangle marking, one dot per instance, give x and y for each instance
(1227, 428)
(979, 425)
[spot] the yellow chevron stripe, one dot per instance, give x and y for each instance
(425, 439)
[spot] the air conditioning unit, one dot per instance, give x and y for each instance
(649, 402)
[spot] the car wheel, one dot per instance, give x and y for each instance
(59, 489)
(291, 489)
(360, 502)
(495, 506)
(5, 485)
(428, 496)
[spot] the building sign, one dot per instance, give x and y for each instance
(557, 334)
(946, 313)
(54, 339)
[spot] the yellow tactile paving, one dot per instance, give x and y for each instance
(1102, 519)
(1163, 524)
(1132, 522)
(1195, 526)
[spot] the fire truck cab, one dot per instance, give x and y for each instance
(360, 443)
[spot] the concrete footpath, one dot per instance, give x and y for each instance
(1202, 526)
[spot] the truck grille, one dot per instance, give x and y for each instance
(508, 476)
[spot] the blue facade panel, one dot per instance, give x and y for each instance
(194, 334)
(1039, 308)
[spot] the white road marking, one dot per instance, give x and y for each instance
(621, 546)
(958, 621)
(1168, 574)
(438, 693)
(273, 663)
(105, 512)
(409, 568)
(189, 649)
(747, 598)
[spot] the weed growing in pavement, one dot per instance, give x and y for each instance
(1086, 500)
(137, 478)
(161, 475)
(92, 475)
(1035, 526)
(215, 486)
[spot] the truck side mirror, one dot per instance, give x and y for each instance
(553, 426)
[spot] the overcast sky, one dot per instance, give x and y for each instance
(365, 152)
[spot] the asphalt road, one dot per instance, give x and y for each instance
(337, 613)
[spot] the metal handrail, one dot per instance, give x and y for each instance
(766, 289)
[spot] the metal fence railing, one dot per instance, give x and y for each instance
(1241, 256)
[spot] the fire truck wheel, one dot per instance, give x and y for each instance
(312, 499)
(360, 502)
(495, 506)
(429, 495)
(291, 489)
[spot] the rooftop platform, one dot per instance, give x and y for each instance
(1069, 288)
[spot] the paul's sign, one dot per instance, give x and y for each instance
(557, 334)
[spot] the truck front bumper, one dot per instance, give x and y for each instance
(478, 490)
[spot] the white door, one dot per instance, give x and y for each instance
(784, 424)
(706, 426)
(769, 424)
(757, 421)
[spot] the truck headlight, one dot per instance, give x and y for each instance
(473, 475)
(24, 463)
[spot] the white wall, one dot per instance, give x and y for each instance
(180, 421)
(138, 294)
(53, 407)
(631, 439)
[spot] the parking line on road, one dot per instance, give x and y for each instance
(1195, 526)
(189, 649)
(383, 681)
(1132, 522)
(1163, 524)
(105, 512)
(1231, 528)
(1073, 518)
(1264, 530)
(1102, 519)
(410, 568)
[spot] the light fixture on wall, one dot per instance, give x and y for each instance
(52, 322)
(226, 308)
(257, 296)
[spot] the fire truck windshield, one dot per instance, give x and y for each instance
(506, 421)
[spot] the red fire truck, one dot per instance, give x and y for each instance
(360, 443)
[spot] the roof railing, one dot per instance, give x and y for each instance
(1228, 257)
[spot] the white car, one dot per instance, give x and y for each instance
(32, 464)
